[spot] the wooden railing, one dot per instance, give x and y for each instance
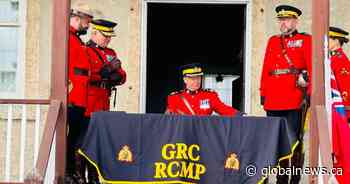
(42, 153)
(49, 132)
(25, 101)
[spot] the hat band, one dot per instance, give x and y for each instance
(102, 28)
(335, 34)
(191, 71)
(287, 13)
(105, 33)
(81, 14)
(193, 74)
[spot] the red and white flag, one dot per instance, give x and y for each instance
(340, 134)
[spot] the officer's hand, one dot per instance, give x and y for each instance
(303, 79)
(262, 100)
(167, 111)
(105, 72)
(115, 64)
(115, 78)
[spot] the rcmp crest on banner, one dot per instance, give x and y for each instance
(125, 154)
(232, 162)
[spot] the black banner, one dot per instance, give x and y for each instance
(157, 148)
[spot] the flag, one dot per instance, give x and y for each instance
(340, 134)
(164, 149)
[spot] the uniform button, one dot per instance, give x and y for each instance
(344, 71)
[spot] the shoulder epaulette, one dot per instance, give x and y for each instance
(175, 92)
(107, 48)
(275, 36)
(305, 33)
(336, 53)
(209, 90)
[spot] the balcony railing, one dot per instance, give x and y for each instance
(41, 153)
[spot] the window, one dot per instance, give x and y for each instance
(12, 44)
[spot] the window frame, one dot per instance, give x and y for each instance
(21, 42)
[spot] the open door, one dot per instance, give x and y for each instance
(211, 33)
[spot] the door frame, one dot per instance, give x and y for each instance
(247, 55)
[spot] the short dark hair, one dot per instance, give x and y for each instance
(340, 39)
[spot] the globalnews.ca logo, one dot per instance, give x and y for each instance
(252, 171)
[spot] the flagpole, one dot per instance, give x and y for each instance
(319, 125)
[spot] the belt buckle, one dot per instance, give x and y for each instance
(273, 72)
(294, 71)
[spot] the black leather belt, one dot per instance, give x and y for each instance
(284, 71)
(99, 84)
(71, 105)
(80, 71)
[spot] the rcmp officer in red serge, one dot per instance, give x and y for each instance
(78, 75)
(194, 100)
(106, 72)
(340, 64)
(284, 83)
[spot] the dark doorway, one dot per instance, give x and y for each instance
(212, 33)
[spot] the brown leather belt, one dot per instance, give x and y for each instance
(284, 71)
(80, 71)
(347, 108)
(99, 84)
